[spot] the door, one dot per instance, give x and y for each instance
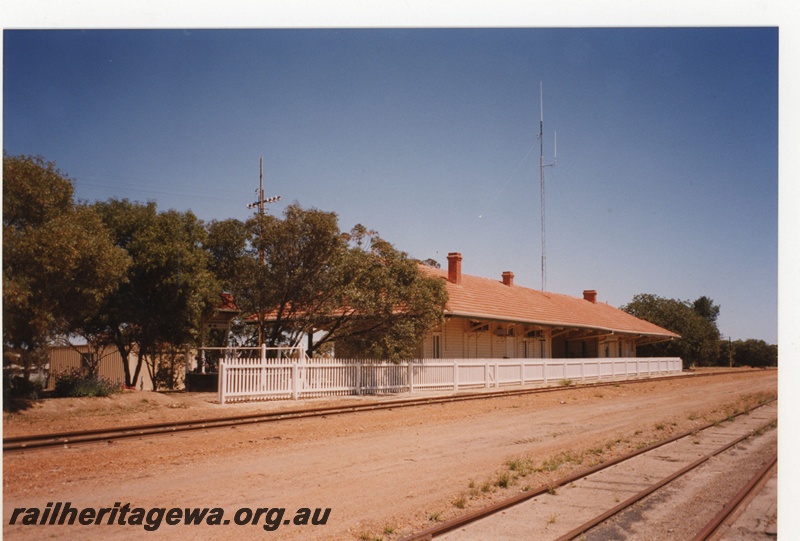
(511, 347)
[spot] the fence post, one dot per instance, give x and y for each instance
(295, 381)
(303, 370)
(455, 375)
(410, 376)
(521, 373)
(263, 372)
(583, 371)
(486, 374)
(221, 382)
(358, 378)
(544, 371)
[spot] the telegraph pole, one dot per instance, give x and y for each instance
(260, 192)
(730, 352)
(259, 204)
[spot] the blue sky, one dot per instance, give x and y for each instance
(667, 173)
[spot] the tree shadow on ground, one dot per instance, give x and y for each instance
(16, 404)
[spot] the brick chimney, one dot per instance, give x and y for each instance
(590, 295)
(454, 267)
(508, 278)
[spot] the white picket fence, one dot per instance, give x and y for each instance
(290, 375)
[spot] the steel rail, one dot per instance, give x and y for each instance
(478, 514)
(599, 519)
(752, 486)
(39, 441)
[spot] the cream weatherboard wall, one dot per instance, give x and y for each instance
(460, 338)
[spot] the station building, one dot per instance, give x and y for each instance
(486, 318)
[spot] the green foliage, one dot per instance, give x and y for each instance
(58, 259)
(755, 353)
(301, 275)
(75, 383)
(20, 388)
(123, 273)
(393, 304)
(226, 243)
(20, 392)
(34, 192)
(291, 277)
(705, 308)
(700, 342)
(168, 287)
(694, 321)
(566, 457)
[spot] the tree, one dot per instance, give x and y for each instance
(227, 244)
(694, 321)
(705, 308)
(751, 352)
(59, 262)
(300, 276)
(289, 275)
(393, 304)
(169, 286)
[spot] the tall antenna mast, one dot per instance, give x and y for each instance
(541, 182)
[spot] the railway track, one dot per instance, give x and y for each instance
(629, 496)
(55, 440)
(726, 517)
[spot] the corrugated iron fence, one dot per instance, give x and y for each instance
(109, 366)
(248, 374)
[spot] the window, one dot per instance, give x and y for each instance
(437, 345)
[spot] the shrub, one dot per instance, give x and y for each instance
(76, 384)
(19, 392)
(503, 480)
(20, 387)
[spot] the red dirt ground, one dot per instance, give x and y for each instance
(383, 474)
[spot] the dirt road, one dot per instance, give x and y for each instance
(382, 474)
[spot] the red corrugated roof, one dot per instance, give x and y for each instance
(484, 298)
